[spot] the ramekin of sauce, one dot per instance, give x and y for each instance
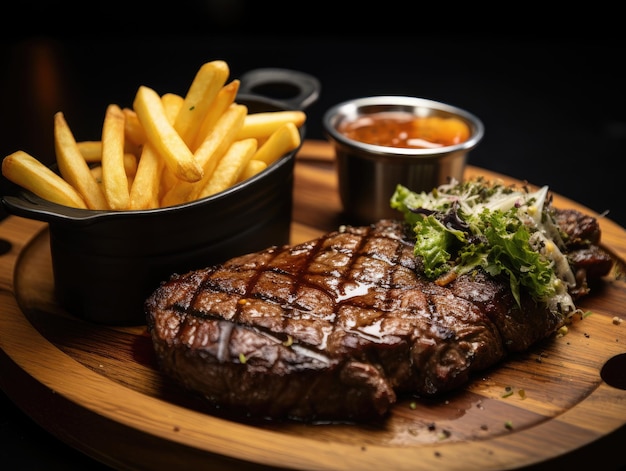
(384, 141)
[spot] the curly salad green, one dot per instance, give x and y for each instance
(461, 226)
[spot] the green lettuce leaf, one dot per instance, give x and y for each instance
(462, 226)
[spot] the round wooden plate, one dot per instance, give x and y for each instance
(98, 387)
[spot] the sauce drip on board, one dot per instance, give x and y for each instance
(401, 129)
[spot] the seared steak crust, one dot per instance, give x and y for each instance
(334, 328)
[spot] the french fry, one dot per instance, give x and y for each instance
(162, 135)
(114, 178)
(97, 173)
(144, 192)
(208, 81)
(283, 140)
(92, 153)
(230, 167)
(26, 171)
(73, 167)
(209, 154)
(130, 164)
(221, 137)
(133, 130)
(225, 97)
(92, 150)
(172, 104)
(259, 125)
(253, 167)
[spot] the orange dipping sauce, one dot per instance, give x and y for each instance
(400, 129)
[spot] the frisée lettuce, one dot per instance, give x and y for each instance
(460, 226)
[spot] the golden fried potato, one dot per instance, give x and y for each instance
(114, 177)
(26, 171)
(253, 167)
(145, 190)
(285, 139)
(162, 135)
(209, 154)
(92, 150)
(260, 125)
(230, 167)
(208, 81)
(224, 99)
(133, 130)
(73, 167)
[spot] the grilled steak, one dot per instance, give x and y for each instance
(336, 328)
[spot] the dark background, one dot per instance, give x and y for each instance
(553, 105)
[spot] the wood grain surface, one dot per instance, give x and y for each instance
(98, 387)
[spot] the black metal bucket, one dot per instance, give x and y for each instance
(106, 263)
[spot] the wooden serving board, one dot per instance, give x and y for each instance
(98, 387)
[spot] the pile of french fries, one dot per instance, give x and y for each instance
(165, 150)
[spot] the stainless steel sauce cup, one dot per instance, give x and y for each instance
(368, 174)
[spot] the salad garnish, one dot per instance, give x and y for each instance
(460, 226)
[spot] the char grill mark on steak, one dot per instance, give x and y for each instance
(363, 325)
(334, 328)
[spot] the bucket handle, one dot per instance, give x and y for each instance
(287, 88)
